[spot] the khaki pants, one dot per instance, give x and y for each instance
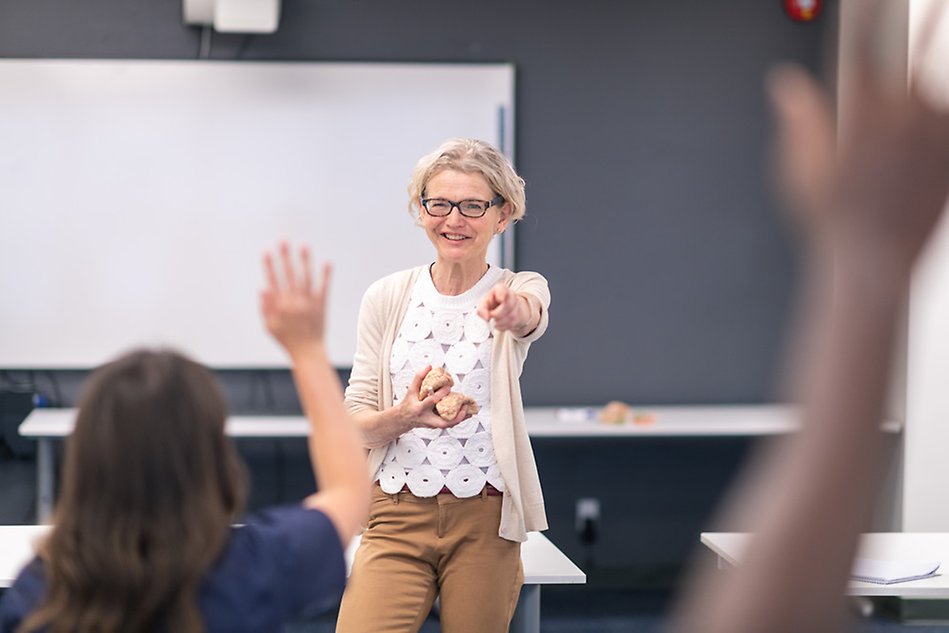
(415, 549)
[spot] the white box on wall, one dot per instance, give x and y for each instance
(234, 16)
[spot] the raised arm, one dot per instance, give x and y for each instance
(865, 208)
(294, 312)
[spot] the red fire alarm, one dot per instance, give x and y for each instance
(803, 10)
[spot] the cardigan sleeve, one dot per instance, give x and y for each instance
(535, 285)
(362, 392)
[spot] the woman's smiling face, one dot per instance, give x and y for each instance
(457, 238)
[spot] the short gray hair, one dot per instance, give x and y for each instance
(470, 156)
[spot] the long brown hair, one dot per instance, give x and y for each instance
(150, 485)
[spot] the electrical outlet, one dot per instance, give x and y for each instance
(588, 513)
(588, 520)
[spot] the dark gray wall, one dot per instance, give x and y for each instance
(642, 133)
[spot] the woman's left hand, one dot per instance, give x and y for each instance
(509, 310)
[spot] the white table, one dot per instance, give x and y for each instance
(666, 421)
(50, 425)
(730, 546)
(544, 564)
(743, 420)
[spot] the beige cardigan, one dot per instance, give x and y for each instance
(370, 388)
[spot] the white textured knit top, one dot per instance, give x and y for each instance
(444, 331)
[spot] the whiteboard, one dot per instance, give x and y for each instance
(137, 196)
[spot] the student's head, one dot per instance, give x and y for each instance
(474, 157)
(150, 485)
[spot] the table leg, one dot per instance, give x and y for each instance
(527, 613)
(45, 479)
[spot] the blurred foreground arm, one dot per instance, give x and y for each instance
(294, 311)
(865, 208)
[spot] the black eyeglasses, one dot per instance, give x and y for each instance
(440, 207)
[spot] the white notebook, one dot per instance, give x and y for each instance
(885, 572)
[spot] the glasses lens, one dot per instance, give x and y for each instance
(473, 208)
(438, 206)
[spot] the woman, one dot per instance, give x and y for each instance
(453, 499)
(142, 537)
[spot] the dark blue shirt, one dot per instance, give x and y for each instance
(283, 563)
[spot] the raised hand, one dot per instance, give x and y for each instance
(866, 199)
(293, 308)
(882, 187)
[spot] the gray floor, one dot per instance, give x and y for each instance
(566, 609)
